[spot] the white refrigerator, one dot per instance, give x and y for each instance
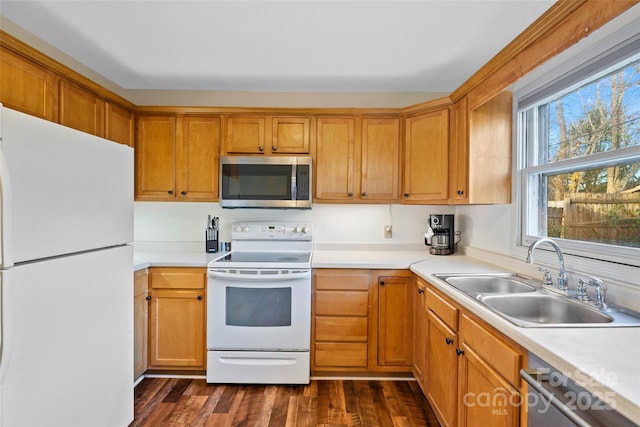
(66, 276)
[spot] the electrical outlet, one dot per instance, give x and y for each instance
(388, 231)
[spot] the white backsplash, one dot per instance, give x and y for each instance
(175, 222)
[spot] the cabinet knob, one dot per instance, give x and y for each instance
(459, 351)
(261, 148)
(448, 340)
(381, 282)
(460, 192)
(184, 193)
(148, 298)
(364, 194)
(199, 297)
(170, 192)
(274, 148)
(406, 195)
(421, 291)
(350, 194)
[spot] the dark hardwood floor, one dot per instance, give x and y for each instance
(193, 402)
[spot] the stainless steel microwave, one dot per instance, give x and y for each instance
(265, 182)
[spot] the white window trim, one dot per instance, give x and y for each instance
(602, 260)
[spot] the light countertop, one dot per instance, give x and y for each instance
(605, 361)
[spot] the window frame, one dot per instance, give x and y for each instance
(560, 76)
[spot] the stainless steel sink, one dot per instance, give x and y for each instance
(538, 309)
(526, 303)
(490, 284)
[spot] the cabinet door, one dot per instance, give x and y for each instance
(26, 87)
(490, 151)
(487, 399)
(156, 158)
(426, 158)
(290, 135)
(140, 322)
(442, 371)
(420, 334)
(118, 124)
(395, 320)
(80, 109)
(245, 135)
(198, 159)
(177, 337)
(335, 159)
(459, 153)
(380, 162)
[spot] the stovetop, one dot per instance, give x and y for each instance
(268, 245)
(265, 257)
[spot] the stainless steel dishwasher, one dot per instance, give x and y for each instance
(555, 400)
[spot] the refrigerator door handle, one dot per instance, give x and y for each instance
(6, 236)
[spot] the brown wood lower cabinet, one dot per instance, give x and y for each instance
(472, 369)
(420, 333)
(140, 321)
(361, 321)
(177, 316)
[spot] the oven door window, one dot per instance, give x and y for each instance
(258, 307)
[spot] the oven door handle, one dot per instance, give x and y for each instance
(260, 275)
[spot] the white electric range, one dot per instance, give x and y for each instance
(259, 306)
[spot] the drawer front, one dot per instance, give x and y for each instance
(339, 355)
(332, 303)
(178, 278)
(341, 329)
(442, 308)
(355, 281)
(502, 357)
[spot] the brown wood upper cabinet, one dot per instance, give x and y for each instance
(81, 109)
(26, 87)
(481, 151)
(357, 160)
(177, 158)
(426, 158)
(267, 135)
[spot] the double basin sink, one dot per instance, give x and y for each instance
(524, 303)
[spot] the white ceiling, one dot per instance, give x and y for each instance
(299, 46)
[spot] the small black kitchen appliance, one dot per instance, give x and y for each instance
(442, 242)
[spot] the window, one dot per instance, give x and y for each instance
(580, 166)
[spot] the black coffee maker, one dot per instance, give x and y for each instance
(443, 239)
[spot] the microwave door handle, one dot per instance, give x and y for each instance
(294, 182)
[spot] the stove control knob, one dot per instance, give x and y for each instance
(246, 229)
(303, 230)
(238, 228)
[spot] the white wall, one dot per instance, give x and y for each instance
(488, 227)
(175, 222)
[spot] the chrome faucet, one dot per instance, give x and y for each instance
(601, 291)
(562, 275)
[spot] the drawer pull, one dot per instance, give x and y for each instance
(448, 340)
